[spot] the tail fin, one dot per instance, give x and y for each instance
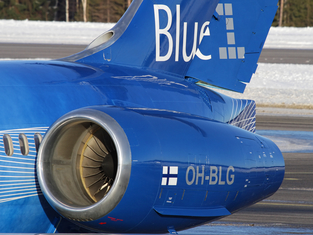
(238, 31)
(218, 43)
(155, 34)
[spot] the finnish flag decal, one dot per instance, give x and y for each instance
(169, 176)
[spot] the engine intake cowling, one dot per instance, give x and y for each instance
(84, 164)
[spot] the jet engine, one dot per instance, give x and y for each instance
(84, 164)
(115, 169)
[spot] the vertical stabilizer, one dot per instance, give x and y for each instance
(154, 34)
(237, 34)
(217, 42)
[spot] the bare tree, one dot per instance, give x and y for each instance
(108, 11)
(67, 14)
(308, 13)
(84, 3)
(281, 13)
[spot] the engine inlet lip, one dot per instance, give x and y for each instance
(113, 197)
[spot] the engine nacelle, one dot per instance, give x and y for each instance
(84, 165)
(120, 170)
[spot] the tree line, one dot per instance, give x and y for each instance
(64, 10)
(298, 13)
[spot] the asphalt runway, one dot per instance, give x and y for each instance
(35, 51)
(50, 51)
(286, 56)
(284, 123)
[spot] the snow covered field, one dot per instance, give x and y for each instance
(277, 85)
(290, 38)
(280, 85)
(26, 31)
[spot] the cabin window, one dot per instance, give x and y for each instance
(24, 147)
(8, 144)
(38, 139)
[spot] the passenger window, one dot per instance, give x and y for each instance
(8, 144)
(23, 144)
(38, 139)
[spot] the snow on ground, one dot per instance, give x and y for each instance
(290, 38)
(27, 31)
(289, 85)
(272, 85)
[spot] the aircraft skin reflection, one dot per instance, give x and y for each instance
(127, 137)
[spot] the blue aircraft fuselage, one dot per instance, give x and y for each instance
(187, 166)
(53, 88)
(127, 137)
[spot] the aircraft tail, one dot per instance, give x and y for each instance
(217, 42)
(238, 32)
(154, 34)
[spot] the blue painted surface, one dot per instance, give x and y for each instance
(246, 24)
(191, 163)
